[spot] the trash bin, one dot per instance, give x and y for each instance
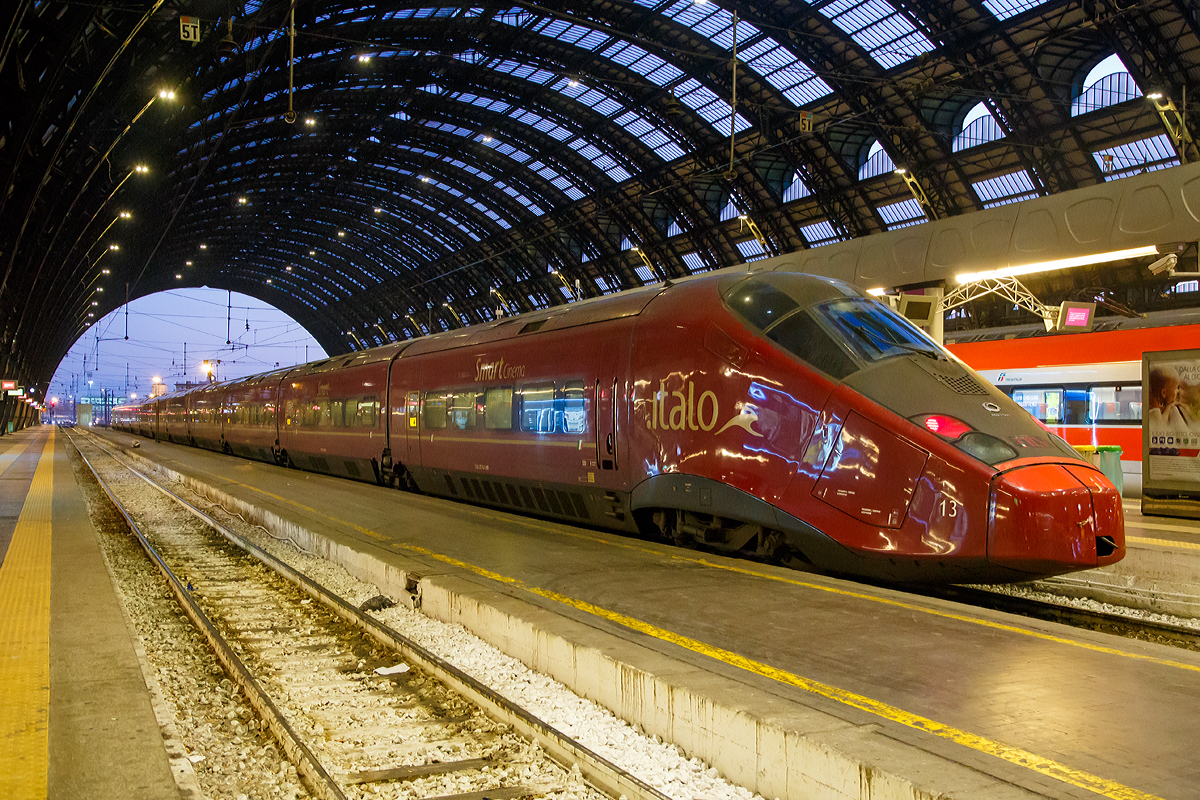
(1088, 451)
(1108, 459)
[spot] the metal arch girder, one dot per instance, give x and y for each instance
(1010, 289)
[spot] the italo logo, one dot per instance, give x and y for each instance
(497, 370)
(681, 410)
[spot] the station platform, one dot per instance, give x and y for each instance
(76, 719)
(791, 684)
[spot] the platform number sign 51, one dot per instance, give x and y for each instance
(189, 29)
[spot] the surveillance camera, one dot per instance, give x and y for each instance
(1165, 264)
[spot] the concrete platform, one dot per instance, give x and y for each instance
(1161, 571)
(75, 713)
(793, 685)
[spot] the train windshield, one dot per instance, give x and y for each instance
(874, 331)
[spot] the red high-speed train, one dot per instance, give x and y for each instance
(779, 414)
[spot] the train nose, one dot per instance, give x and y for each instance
(1045, 517)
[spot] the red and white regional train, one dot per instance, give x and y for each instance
(778, 414)
(1085, 387)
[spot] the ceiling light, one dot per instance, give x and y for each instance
(364, 58)
(114, 247)
(424, 179)
(487, 138)
(178, 276)
(104, 272)
(99, 288)
(142, 168)
(187, 263)
(268, 280)
(125, 215)
(166, 94)
(900, 170)
(312, 252)
(341, 233)
(241, 201)
(378, 210)
(289, 269)
(95, 303)
(1061, 263)
(309, 121)
(203, 247)
(878, 291)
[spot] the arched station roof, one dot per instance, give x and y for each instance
(404, 168)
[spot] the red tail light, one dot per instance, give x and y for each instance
(944, 426)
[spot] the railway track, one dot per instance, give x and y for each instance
(356, 706)
(1126, 623)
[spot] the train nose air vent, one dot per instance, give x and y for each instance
(1105, 546)
(962, 384)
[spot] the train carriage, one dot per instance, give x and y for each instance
(251, 424)
(783, 415)
(334, 414)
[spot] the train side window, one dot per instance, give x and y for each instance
(462, 410)
(367, 411)
(435, 411)
(498, 408)
(1044, 404)
(1115, 403)
(1075, 407)
(269, 414)
(574, 411)
(804, 338)
(537, 408)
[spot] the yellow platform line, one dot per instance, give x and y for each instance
(1162, 542)
(25, 642)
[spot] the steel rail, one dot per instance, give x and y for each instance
(604, 775)
(321, 783)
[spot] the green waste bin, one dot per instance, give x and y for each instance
(1108, 459)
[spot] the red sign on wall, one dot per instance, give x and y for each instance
(6, 385)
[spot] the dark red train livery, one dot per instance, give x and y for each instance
(779, 414)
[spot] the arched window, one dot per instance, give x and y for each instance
(979, 127)
(878, 162)
(796, 189)
(1108, 83)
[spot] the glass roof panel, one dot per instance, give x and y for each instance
(1143, 155)
(878, 28)
(820, 233)
(627, 54)
(1004, 9)
(902, 214)
(774, 62)
(1003, 189)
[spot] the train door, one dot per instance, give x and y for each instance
(606, 407)
(410, 454)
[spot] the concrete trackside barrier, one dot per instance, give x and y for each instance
(797, 753)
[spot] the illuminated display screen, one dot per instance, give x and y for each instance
(1078, 317)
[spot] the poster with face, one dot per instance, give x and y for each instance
(1171, 420)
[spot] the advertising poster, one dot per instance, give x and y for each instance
(1171, 422)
